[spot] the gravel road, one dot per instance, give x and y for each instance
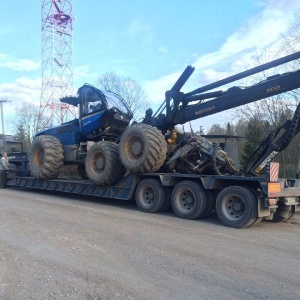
(59, 246)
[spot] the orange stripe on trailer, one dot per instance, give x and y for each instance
(274, 170)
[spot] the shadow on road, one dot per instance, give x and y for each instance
(123, 204)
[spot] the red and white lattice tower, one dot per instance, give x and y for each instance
(57, 53)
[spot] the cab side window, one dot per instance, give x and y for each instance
(91, 102)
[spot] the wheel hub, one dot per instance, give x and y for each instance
(189, 200)
(186, 202)
(234, 208)
(100, 163)
(148, 196)
(38, 157)
(41, 158)
(237, 206)
(137, 148)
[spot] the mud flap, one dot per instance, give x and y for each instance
(262, 210)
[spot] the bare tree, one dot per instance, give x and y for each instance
(271, 109)
(26, 123)
(129, 89)
(291, 40)
(216, 129)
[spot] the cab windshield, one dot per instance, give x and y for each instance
(94, 100)
(114, 100)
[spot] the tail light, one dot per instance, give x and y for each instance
(273, 188)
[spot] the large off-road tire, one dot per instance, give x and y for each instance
(142, 148)
(236, 206)
(103, 165)
(188, 200)
(150, 195)
(45, 157)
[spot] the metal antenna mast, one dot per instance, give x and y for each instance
(57, 71)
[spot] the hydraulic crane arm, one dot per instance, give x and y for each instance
(275, 142)
(179, 107)
(235, 96)
(197, 155)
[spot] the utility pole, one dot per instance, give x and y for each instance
(2, 120)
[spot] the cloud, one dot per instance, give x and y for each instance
(136, 27)
(6, 31)
(84, 74)
(156, 88)
(261, 32)
(14, 64)
(21, 90)
(140, 30)
(163, 49)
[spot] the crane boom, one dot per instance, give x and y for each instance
(181, 108)
(204, 101)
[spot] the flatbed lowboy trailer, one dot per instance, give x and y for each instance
(143, 149)
(239, 201)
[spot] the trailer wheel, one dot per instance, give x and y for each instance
(188, 200)
(168, 205)
(142, 148)
(45, 157)
(283, 213)
(150, 195)
(102, 164)
(257, 221)
(3, 179)
(211, 201)
(236, 206)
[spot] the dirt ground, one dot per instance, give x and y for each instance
(58, 246)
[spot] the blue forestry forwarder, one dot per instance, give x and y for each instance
(103, 118)
(162, 168)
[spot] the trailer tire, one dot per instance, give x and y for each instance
(102, 164)
(150, 195)
(189, 200)
(257, 221)
(236, 206)
(3, 179)
(142, 148)
(45, 157)
(168, 205)
(211, 201)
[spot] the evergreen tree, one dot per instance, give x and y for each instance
(22, 136)
(257, 130)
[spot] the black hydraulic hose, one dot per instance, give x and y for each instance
(293, 129)
(269, 143)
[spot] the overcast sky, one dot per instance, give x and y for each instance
(152, 41)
